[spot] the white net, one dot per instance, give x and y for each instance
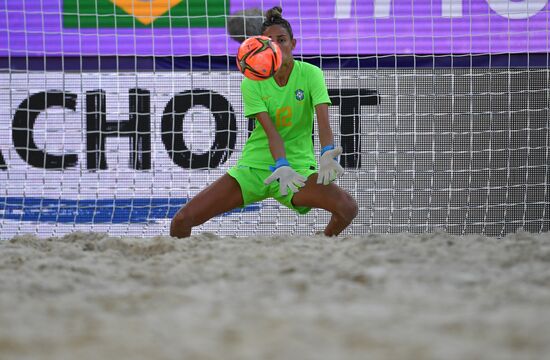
(115, 113)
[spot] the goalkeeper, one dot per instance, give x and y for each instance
(278, 159)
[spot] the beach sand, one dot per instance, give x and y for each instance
(378, 296)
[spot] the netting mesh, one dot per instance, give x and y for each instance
(114, 115)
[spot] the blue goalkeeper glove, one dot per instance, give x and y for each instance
(329, 168)
(287, 177)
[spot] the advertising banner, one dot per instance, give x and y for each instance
(122, 152)
(331, 27)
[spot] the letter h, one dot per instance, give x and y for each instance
(137, 129)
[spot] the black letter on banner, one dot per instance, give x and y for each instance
(137, 129)
(3, 165)
(23, 129)
(251, 125)
(350, 101)
(172, 129)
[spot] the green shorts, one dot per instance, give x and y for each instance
(253, 189)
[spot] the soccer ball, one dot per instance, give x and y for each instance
(259, 58)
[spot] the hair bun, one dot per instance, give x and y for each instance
(274, 16)
(274, 13)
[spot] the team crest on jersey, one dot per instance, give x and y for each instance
(299, 94)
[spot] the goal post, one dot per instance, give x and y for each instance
(114, 113)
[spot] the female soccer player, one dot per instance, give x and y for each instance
(279, 154)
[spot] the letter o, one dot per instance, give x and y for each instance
(517, 9)
(172, 129)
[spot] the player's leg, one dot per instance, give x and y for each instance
(332, 198)
(219, 197)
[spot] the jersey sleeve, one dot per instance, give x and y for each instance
(253, 103)
(318, 88)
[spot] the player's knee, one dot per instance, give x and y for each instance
(352, 208)
(181, 224)
(185, 217)
(348, 208)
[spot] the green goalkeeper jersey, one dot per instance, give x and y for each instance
(291, 109)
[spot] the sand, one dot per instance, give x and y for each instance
(378, 296)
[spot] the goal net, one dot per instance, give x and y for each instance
(114, 113)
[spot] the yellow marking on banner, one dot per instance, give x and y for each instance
(146, 11)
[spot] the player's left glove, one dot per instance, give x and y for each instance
(329, 168)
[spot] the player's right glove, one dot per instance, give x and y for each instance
(287, 177)
(329, 169)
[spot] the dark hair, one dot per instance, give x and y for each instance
(273, 17)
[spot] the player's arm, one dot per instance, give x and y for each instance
(325, 132)
(329, 168)
(276, 144)
(287, 177)
(256, 108)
